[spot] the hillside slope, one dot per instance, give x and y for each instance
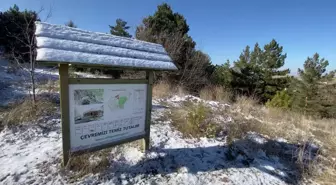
(31, 153)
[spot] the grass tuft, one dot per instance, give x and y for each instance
(26, 111)
(164, 89)
(88, 163)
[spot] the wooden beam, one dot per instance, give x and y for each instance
(106, 81)
(145, 142)
(64, 92)
(111, 144)
(100, 66)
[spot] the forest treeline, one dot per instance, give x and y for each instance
(259, 72)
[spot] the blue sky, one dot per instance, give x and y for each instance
(220, 28)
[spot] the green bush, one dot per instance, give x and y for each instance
(281, 100)
(194, 120)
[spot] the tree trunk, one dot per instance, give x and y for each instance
(32, 73)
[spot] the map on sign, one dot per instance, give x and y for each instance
(105, 113)
(118, 100)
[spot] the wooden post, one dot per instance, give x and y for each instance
(145, 141)
(64, 92)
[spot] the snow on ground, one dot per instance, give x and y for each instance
(15, 85)
(31, 155)
(171, 160)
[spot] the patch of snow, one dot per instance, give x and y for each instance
(19, 157)
(178, 100)
(256, 138)
(90, 75)
(16, 85)
(281, 140)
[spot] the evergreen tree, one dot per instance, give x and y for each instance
(17, 30)
(71, 24)
(258, 72)
(246, 72)
(314, 90)
(171, 30)
(223, 75)
(273, 78)
(120, 29)
(165, 20)
(281, 100)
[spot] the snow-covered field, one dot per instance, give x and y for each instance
(32, 154)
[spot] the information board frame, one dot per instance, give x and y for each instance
(65, 82)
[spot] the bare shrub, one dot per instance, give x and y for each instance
(307, 167)
(216, 93)
(192, 64)
(179, 90)
(133, 74)
(162, 90)
(72, 72)
(26, 111)
(52, 86)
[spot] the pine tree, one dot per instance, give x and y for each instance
(165, 20)
(71, 24)
(274, 78)
(170, 29)
(223, 75)
(281, 100)
(16, 27)
(120, 29)
(246, 72)
(313, 90)
(258, 72)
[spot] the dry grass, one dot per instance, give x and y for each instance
(95, 162)
(275, 123)
(247, 106)
(241, 126)
(216, 93)
(88, 163)
(25, 111)
(296, 128)
(163, 89)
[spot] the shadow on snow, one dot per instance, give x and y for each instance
(206, 159)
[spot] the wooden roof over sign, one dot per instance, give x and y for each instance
(63, 44)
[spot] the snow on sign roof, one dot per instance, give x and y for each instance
(62, 44)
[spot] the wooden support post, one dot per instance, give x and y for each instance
(145, 141)
(64, 92)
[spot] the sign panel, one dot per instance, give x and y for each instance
(101, 114)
